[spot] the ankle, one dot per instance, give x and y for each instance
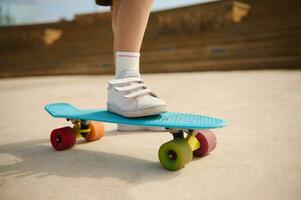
(127, 73)
(127, 64)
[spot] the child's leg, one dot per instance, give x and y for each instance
(131, 24)
(115, 10)
(128, 96)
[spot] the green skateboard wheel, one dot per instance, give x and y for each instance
(175, 154)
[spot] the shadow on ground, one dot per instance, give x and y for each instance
(36, 157)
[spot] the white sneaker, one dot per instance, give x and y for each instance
(130, 97)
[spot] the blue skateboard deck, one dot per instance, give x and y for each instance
(167, 120)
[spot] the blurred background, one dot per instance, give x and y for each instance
(74, 37)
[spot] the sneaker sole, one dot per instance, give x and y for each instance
(138, 113)
(123, 127)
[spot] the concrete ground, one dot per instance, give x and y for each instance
(258, 155)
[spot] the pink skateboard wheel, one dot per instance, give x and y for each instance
(207, 140)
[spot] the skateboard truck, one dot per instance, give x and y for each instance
(81, 126)
(179, 133)
(190, 138)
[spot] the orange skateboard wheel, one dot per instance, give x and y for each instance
(97, 131)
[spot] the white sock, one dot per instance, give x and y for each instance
(126, 64)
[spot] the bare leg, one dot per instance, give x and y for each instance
(115, 10)
(131, 24)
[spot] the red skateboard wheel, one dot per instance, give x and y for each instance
(207, 140)
(63, 138)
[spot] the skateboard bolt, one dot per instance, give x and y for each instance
(58, 139)
(172, 155)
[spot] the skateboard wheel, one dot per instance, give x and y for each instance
(63, 138)
(207, 140)
(97, 131)
(173, 155)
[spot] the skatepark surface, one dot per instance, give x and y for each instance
(258, 155)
